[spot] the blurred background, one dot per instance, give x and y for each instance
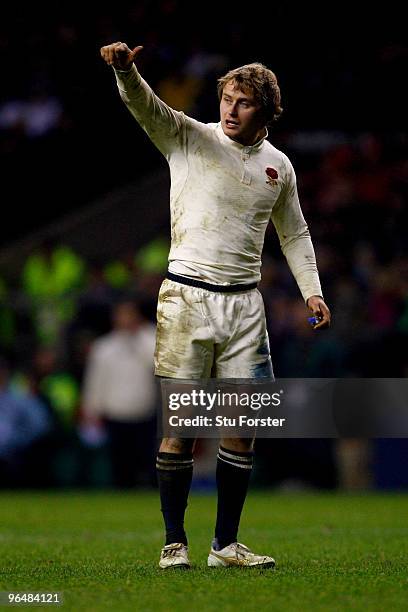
(85, 229)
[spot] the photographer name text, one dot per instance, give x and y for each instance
(222, 421)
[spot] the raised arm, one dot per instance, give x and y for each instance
(296, 245)
(164, 125)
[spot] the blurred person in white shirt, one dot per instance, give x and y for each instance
(119, 395)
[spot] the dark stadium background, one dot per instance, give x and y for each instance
(74, 178)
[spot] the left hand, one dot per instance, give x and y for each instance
(320, 310)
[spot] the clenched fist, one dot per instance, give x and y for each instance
(119, 55)
(320, 310)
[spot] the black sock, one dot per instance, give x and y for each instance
(174, 474)
(233, 473)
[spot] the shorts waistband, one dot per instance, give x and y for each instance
(192, 282)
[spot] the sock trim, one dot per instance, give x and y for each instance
(243, 466)
(173, 467)
(241, 459)
(183, 462)
(246, 455)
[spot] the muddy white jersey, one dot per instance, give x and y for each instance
(223, 195)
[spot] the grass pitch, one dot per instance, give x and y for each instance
(333, 552)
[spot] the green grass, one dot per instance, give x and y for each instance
(333, 552)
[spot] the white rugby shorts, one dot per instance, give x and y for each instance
(206, 334)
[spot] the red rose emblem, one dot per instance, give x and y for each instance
(271, 172)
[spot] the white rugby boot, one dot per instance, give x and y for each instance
(237, 554)
(174, 555)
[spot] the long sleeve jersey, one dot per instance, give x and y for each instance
(222, 196)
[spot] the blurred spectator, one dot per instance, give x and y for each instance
(117, 274)
(58, 390)
(36, 116)
(57, 386)
(152, 257)
(50, 278)
(95, 302)
(120, 394)
(24, 422)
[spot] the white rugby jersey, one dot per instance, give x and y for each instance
(222, 196)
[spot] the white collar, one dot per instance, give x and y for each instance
(238, 145)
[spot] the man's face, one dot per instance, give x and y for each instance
(241, 116)
(125, 317)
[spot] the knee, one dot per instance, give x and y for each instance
(239, 445)
(177, 445)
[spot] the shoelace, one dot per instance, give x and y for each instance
(240, 550)
(170, 552)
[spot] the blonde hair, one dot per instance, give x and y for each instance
(261, 82)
